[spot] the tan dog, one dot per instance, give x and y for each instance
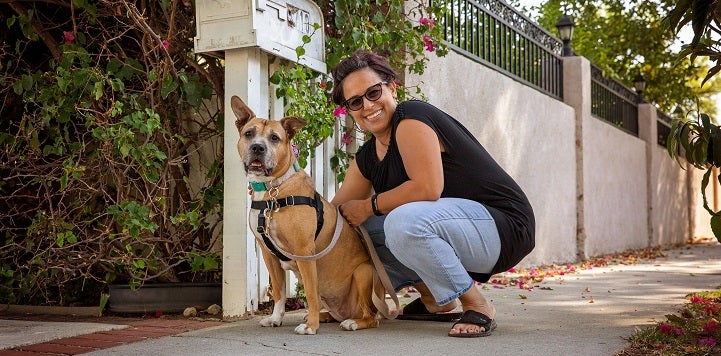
(339, 277)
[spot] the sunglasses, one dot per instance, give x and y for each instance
(372, 94)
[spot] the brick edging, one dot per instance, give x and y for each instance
(138, 330)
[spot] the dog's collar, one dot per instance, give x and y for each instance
(260, 186)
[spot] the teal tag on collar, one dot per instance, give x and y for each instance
(258, 186)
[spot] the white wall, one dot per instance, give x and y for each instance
(670, 205)
(614, 180)
(530, 135)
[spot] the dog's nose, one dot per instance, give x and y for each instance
(257, 148)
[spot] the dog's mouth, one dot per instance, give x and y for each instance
(258, 167)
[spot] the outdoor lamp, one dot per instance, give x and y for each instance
(565, 31)
(639, 83)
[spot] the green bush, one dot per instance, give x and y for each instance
(111, 136)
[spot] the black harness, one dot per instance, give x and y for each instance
(273, 205)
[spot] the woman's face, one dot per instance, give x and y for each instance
(375, 115)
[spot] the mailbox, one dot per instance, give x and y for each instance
(275, 26)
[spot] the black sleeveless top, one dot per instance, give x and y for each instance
(469, 172)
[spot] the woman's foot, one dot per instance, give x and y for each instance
(475, 301)
(430, 302)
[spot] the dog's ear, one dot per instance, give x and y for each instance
(291, 125)
(241, 111)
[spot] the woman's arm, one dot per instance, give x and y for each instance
(355, 186)
(421, 153)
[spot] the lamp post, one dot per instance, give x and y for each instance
(639, 83)
(565, 31)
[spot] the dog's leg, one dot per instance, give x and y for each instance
(363, 286)
(278, 293)
(309, 274)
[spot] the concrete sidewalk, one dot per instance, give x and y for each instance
(586, 313)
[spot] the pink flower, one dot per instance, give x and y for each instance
(708, 341)
(428, 44)
(668, 329)
(347, 138)
(166, 44)
(186, 3)
(427, 21)
(512, 270)
(296, 152)
(68, 37)
(697, 300)
(710, 328)
(339, 111)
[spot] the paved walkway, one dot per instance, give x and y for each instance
(586, 313)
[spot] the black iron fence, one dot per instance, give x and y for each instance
(500, 37)
(492, 32)
(613, 102)
(663, 127)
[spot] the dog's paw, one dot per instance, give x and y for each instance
(270, 321)
(349, 324)
(304, 329)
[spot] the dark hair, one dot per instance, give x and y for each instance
(359, 60)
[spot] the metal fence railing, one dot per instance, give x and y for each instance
(613, 102)
(663, 127)
(500, 37)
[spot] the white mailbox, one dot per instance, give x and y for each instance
(275, 26)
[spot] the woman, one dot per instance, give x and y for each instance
(440, 210)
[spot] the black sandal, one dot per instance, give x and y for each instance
(416, 310)
(475, 318)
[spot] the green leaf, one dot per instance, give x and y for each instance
(138, 264)
(716, 226)
(125, 149)
(98, 90)
(378, 17)
(299, 51)
(209, 263)
(706, 122)
(704, 184)
(64, 181)
(169, 86)
(70, 237)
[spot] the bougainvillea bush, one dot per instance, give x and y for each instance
(111, 136)
(695, 330)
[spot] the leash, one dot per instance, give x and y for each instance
(267, 207)
(380, 275)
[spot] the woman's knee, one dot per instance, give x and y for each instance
(402, 224)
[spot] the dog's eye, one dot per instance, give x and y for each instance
(248, 133)
(274, 138)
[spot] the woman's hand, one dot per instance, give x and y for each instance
(356, 212)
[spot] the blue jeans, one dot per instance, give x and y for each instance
(436, 242)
